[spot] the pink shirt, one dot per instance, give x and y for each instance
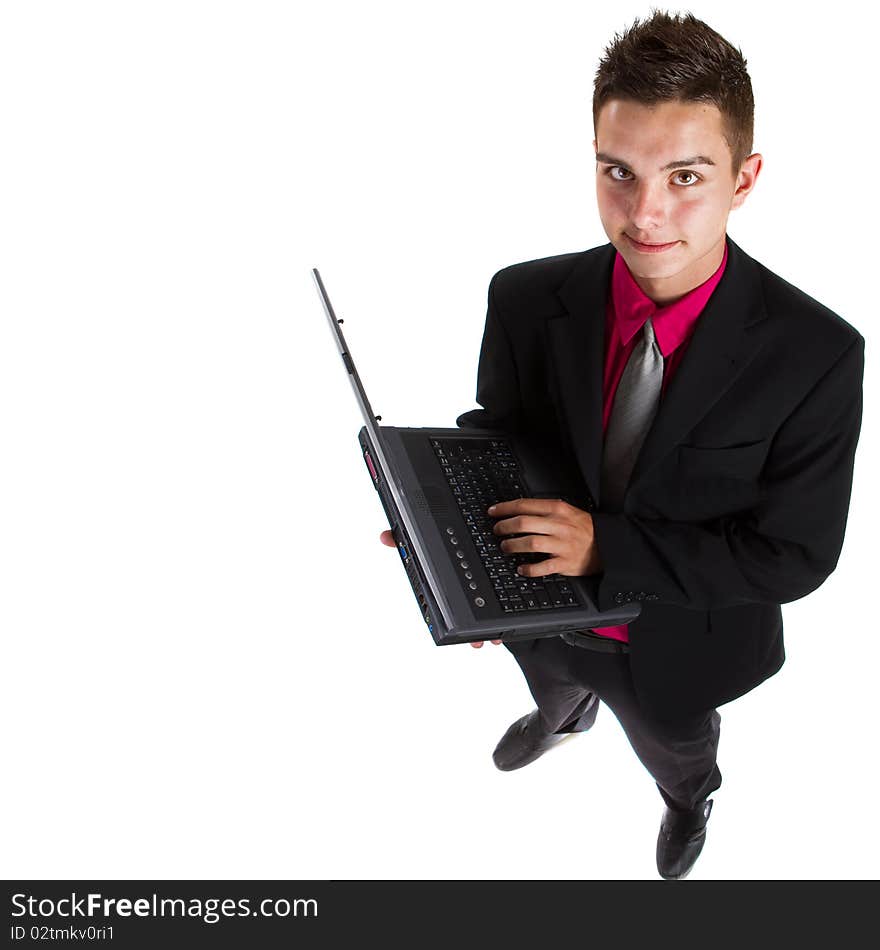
(628, 309)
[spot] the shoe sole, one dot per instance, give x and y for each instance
(680, 878)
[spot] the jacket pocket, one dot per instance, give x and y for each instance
(724, 462)
(714, 481)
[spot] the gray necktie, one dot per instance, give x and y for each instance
(635, 405)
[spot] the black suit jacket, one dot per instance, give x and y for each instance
(739, 499)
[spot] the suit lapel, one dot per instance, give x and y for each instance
(724, 340)
(576, 342)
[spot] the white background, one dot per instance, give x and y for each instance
(211, 668)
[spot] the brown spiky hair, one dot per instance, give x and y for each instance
(680, 59)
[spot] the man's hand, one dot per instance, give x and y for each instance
(386, 537)
(551, 526)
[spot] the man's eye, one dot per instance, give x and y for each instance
(685, 171)
(694, 175)
(611, 168)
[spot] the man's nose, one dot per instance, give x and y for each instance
(649, 210)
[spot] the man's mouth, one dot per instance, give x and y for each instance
(649, 247)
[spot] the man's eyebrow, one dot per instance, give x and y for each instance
(696, 160)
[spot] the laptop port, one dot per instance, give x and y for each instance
(370, 465)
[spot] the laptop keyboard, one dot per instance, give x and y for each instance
(481, 472)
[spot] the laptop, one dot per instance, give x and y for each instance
(435, 486)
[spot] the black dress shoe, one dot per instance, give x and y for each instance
(524, 742)
(681, 839)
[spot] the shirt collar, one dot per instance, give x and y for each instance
(672, 323)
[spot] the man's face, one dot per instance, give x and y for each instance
(640, 198)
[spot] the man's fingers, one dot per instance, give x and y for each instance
(524, 524)
(528, 506)
(533, 544)
(551, 565)
(386, 537)
(478, 643)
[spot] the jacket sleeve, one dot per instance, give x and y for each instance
(777, 552)
(497, 381)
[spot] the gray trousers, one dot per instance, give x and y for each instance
(568, 683)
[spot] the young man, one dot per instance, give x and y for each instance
(711, 408)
